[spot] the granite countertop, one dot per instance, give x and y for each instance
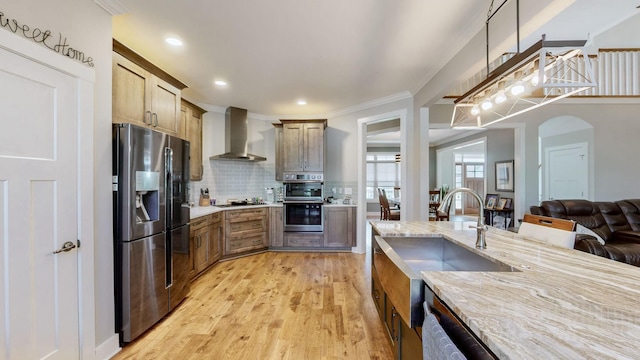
(198, 211)
(562, 304)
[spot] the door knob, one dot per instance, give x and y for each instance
(66, 247)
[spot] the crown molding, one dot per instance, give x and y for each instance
(373, 103)
(113, 7)
(363, 106)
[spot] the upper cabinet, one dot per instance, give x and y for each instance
(303, 145)
(279, 151)
(192, 118)
(143, 94)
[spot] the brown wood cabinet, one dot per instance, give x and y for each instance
(246, 230)
(339, 226)
(276, 225)
(302, 239)
(143, 94)
(192, 118)
(406, 342)
(303, 145)
(205, 242)
(216, 234)
(199, 239)
(279, 151)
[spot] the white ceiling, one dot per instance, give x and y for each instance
(333, 54)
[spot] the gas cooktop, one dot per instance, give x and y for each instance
(241, 203)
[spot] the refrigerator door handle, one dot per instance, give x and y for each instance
(168, 166)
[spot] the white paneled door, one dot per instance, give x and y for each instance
(39, 301)
(567, 172)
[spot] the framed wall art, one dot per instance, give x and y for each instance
(491, 201)
(504, 175)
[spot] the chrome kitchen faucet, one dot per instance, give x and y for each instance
(480, 227)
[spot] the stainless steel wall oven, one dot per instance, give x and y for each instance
(303, 202)
(303, 216)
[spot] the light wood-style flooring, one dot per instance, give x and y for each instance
(274, 305)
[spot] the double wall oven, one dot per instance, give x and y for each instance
(303, 202)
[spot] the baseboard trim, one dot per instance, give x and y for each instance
(109, 348)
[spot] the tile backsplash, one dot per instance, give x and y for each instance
(232, 179)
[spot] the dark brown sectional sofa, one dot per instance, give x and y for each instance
(616, 223)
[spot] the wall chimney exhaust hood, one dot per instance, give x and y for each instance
(235, 140)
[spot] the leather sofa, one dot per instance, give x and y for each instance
(617, 224)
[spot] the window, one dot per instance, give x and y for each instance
(382, 172)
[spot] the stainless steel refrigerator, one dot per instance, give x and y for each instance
(151, 226)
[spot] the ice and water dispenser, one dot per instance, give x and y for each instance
(147, 196)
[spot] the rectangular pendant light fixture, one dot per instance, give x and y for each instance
(546, 72)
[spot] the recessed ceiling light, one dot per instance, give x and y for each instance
(173, 41)
(302, 102)
(220, 83)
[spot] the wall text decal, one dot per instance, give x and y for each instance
(46, 38)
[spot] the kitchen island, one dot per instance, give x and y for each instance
(561, 304)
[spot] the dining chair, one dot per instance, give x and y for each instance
(434, 203)
(387, 213)
(443, 215)
(552, 231)
(380, 202)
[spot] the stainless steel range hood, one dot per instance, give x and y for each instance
(236, 137)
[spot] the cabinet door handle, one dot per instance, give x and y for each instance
(376, 294)
(201, 170)
(394, 314)
(155, 122)
(147, 115)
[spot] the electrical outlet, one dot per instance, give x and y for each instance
(340, 191)
(347, 191)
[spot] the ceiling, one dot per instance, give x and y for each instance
(333, 54)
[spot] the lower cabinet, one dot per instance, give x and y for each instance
(339, 226)
(276, 225)
(303, 239)
(205, 242)
(246, 230)
(216, 230)
(406, 342)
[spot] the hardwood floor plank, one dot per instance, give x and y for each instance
(274, 305)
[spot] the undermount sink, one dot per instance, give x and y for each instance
(440, 254)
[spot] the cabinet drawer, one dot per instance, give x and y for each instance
(233, 215)
(244, 243)
(216, 217)
(303, 240)
(200, 222)
(255, 224)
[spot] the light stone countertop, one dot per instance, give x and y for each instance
(198, 211)
(563, 304)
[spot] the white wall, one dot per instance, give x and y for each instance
(615, 147)
(235, 179)
(87, 28)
